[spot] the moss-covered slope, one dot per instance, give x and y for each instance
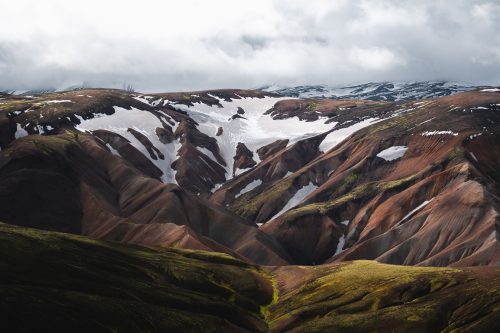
(64, 283)
(57, 282)
(365, 296)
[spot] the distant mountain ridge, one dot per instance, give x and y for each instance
(376, 91)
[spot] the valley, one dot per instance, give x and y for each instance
(251, 211)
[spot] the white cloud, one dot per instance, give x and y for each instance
(374, 58)
(382, 14)
(486, 12)
(194, 44)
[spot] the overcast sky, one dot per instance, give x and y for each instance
(191, 44)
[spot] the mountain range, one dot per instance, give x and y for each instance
(376, 91)
(306, 209)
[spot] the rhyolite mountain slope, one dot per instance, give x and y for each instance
(412, 183)
(417, 189)
(59, 282)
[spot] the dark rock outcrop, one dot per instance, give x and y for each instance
(165, 134)
(152, 150)
(272, 148)
(243, 158)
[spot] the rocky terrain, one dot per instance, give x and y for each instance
(271, 182)
(376, 91)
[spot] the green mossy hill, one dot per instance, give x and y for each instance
(57, 282)
(365, 296)
(64, 283)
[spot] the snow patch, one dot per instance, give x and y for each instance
(297, 198)
(113, 150)
(255, 131)
(216, 187)
(475, 135)
(427, 121)
(143, 99)
(393, 153)
(207, 153)
(249, 187)
(335, 137)
(58, 101)
(144, 121)
(340, 245)
(20, 132)
(419, 207)
(491, 90)
(239, 171)
(439, 133)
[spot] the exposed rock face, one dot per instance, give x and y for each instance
(236, 116)
(311, 110)
(196, 170)
(243, 158)
(152, 150)
(272, 148)
(220, 131)
(210, 97)
(165, 134)
(129, 153)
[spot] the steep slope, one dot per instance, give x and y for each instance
(58, 282)
(72, 182)
(408, 190)
(273, 192)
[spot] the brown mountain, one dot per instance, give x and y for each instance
(268, 180)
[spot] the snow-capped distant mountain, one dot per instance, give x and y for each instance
(375, 91)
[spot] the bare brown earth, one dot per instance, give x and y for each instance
(312, 109)
(207, 96)
(71, 182)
